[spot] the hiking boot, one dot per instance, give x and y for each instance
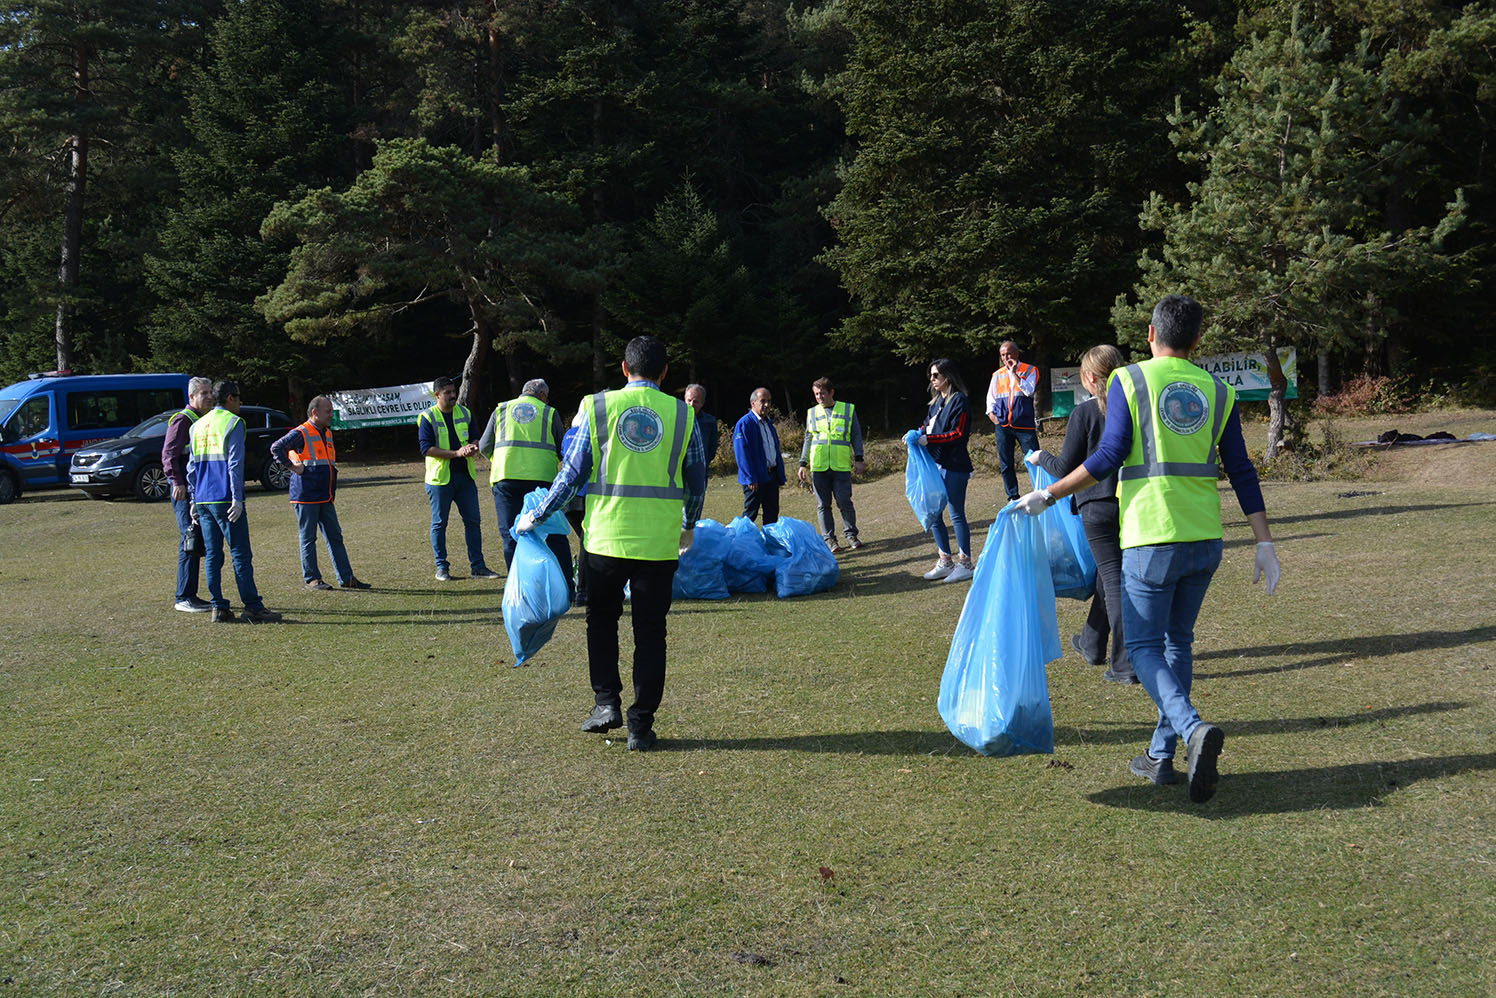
(1204, 746)
(643, 741)
(604, 717)
(961, 572)
(941, 570)
(442, 575)
(1159, 771)
(485, 573)
(317, 584)
(224, 616)
(192, 605)
(1128, 678)
(1075, 643)
(355, 584)
(263, 615)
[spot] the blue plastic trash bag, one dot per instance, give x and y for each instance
(922, 483)
(699, 575)
(994, 695)
(808, 566)
(1071, 565)
(749, 567)
(535, 591)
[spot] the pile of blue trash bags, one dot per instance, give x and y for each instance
(787, 556)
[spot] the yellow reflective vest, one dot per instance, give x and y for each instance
(524, 447)
(830, 433)
(636, 494)
(438, 469)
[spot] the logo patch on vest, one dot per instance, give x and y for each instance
(525, 412)
(641, 429)
(1183, 408)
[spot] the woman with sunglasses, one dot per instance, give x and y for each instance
(946, 428)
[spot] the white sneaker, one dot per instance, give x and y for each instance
(960, 573)
(940, 571)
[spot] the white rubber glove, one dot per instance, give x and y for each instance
(1036, 502)
(1032, 457)
(1267, 565)
(524, 523)
(236, 510)
(687, 537)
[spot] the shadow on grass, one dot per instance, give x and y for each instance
(1356, 785)
(854, 743)
(359, 483)
(1338, 650)
(1126, 734)
(1250, 541)
(1347, 514)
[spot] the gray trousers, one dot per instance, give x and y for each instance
(838, 484)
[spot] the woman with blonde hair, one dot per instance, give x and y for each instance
(1098, 511)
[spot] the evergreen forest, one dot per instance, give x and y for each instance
(310, 195)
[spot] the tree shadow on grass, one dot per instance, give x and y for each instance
(1347, 514)
(1338, 650)
(1127, 734)
(1356, 785)
(853, 743)
(1241, 542)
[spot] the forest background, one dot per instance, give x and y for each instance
(311, 195)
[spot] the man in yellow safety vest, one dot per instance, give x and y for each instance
(832, 449)
(445, 434)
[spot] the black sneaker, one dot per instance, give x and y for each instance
(193, 605)
(1204, 746)
(1075, 643)
(355, 584)
(643, 741)
(1128, 678)
(442, 575)
(222, 616)
(485, 573)
(1160, 771)
(604, 717)
(262, 616)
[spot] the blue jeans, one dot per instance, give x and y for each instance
(187, 564)
(508, 502)
(309, 516)
(955, 491)
(1163, 586)
(214, 519)
(1006, 437)
(465, 495)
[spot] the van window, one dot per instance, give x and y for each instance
(110, 408)
(29, 419)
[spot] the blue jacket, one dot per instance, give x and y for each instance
(748, 449)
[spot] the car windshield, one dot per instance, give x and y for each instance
(153, 427)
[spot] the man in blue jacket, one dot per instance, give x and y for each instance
(755, 445)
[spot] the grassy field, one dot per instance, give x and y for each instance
(368, 799)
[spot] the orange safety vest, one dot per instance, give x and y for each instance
(1019, 411)
(316, 451)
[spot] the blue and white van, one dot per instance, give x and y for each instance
(44, 420)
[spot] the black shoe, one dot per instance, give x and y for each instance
(604, 717)
(485, 573)
(1204, 746)
(643, 741)
(1075, 643)
(222, 616)
(193, 605)
(355, 584)
(1160, 771)
(262, 616)
(1128, 678)
(317, 584)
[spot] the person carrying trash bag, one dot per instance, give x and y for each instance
(1097, 507)
(944, 436)
(644, 465)
(536, 595)
(1166, 422)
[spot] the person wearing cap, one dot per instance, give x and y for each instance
(309, 453)
(445, 436)
(1170, 428)
(523, 445)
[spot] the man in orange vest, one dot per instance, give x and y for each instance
(1010, 406)
(309, 452)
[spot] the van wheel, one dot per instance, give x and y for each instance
(275, 476)
(10, 488)
(151, 484)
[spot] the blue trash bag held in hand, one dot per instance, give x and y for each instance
(535, 591)
(699, 575)
(808, 565)
(994, 695)
(922, 483)
(749, 567)
(1071, 564)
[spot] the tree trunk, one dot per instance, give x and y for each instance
(72, 223)
(1324, 372)
(469, 394)
(496, 91)
(1277, 404)
(599, 211)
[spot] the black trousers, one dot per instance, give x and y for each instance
(765, 497)
(649, 585)
(1099, 519)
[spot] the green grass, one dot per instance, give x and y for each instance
(370, 800)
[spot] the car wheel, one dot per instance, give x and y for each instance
(275, 476)
(151, 484)
(10, 488)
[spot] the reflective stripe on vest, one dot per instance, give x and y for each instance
(1166, 486)
(635, 495)
(316, 446)
(210, 461)
(189, 412)
(830, 435)
(524, 446)
(438, 469)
